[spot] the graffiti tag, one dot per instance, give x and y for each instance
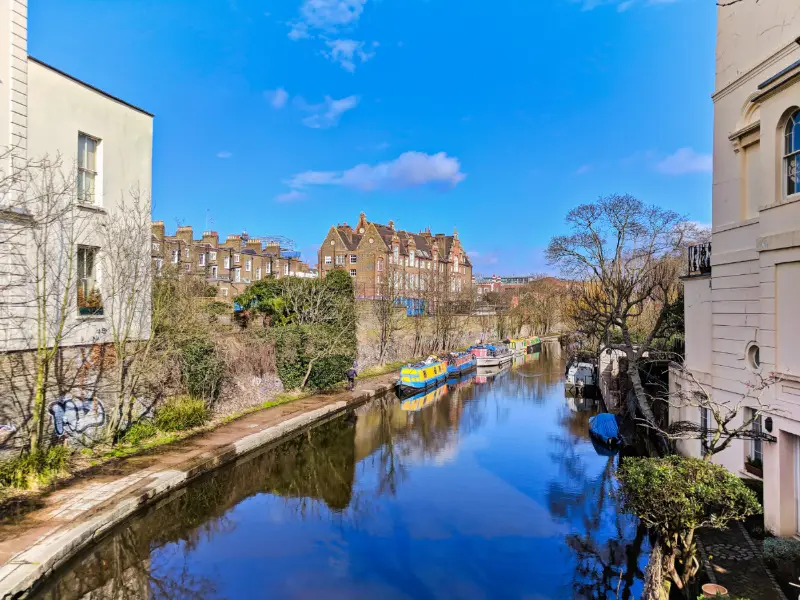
(7, 428)
(73, 415)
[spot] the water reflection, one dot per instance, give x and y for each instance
(487, 487)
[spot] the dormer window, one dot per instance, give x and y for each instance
(791, 154)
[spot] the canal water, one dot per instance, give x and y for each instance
(485, 488)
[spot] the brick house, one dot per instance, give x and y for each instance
(370, 250)
(231, 265)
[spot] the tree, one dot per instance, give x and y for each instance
(675, 496)
(54, 272)
(624, 258)
(133, 316)
(384, 308)
(727, 419)
(323, 320)
(265, 297)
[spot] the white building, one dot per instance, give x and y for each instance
(743, 306)
(105, 150)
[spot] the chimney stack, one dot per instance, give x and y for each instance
(184, 234)
(159, 230)
(211, 238)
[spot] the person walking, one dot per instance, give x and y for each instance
(351, 376)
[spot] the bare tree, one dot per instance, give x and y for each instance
(727, 419)
(55, 274)
(133, 315)
(384, 308)
(624, 257)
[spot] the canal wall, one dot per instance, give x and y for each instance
(76, 516)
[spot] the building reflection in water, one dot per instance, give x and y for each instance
(516, 484)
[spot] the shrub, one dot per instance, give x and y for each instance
(139, 432)
(675, 496)
(329, 371)
(218, 308)
(779, 550)
(202, 369)
(37, 467)
(291, 362)
(181, 412)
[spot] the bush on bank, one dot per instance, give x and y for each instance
(181, 413)
(34, 469)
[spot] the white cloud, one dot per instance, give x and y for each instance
(224, 154)
(277, 98)
(327, 114)
(326, 20)
(685, 160)
(347, 53)
(328, 15)
(291, 196)
(583, 169)
(410, 169)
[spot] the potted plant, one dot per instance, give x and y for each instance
(754, 466)
(89, 304)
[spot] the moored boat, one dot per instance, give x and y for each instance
(534, 344)
(491, 355)
(422, 375)
(460, 362)
(517, 346)
(605, 427)
(580, 378)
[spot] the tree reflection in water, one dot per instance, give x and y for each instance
(605, 567)
(440, 501)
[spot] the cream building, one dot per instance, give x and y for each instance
(105, 150)
(743, 305)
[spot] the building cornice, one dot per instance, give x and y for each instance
(787, 50)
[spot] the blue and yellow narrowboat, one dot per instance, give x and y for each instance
(423, 399)
(422, 375)
(460, 362)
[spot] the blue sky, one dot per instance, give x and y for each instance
(284, 117)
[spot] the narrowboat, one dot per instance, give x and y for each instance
(422, 375)
(491, 355)
(421, 400)
(534, 344)
(581, 378)
(460, 362)
(517, 346)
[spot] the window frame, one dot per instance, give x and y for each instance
(248, 265)
(237, 274)
(202, 259)
(227, 262)
(214, 271)
(353, 272)
(757, 445)
(87, 283)
(176, 256)
(328, 260)
(85, 170)
(212, 255)
(789, 156)
(353, 259)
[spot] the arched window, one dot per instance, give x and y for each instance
(791, 154)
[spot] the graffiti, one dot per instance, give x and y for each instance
(7, 431)
(73, 415)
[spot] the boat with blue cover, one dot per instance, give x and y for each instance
(423, 375)
(460, 362)
(605, 427)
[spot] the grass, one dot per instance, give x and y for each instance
(35, 470)
(181, 413)
(383, 370)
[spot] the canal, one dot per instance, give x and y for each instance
(485, 488)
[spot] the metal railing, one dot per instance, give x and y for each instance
(700, 259)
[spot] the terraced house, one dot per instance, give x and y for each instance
(229, 266)
(741, 298)
(370, 250)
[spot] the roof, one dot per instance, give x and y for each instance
(90, 86)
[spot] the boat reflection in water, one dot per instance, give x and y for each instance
(467, 491)
(423, 399)
(487, 374)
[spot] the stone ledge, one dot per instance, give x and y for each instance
(30, 567)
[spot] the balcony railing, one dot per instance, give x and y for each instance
(700, 259)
